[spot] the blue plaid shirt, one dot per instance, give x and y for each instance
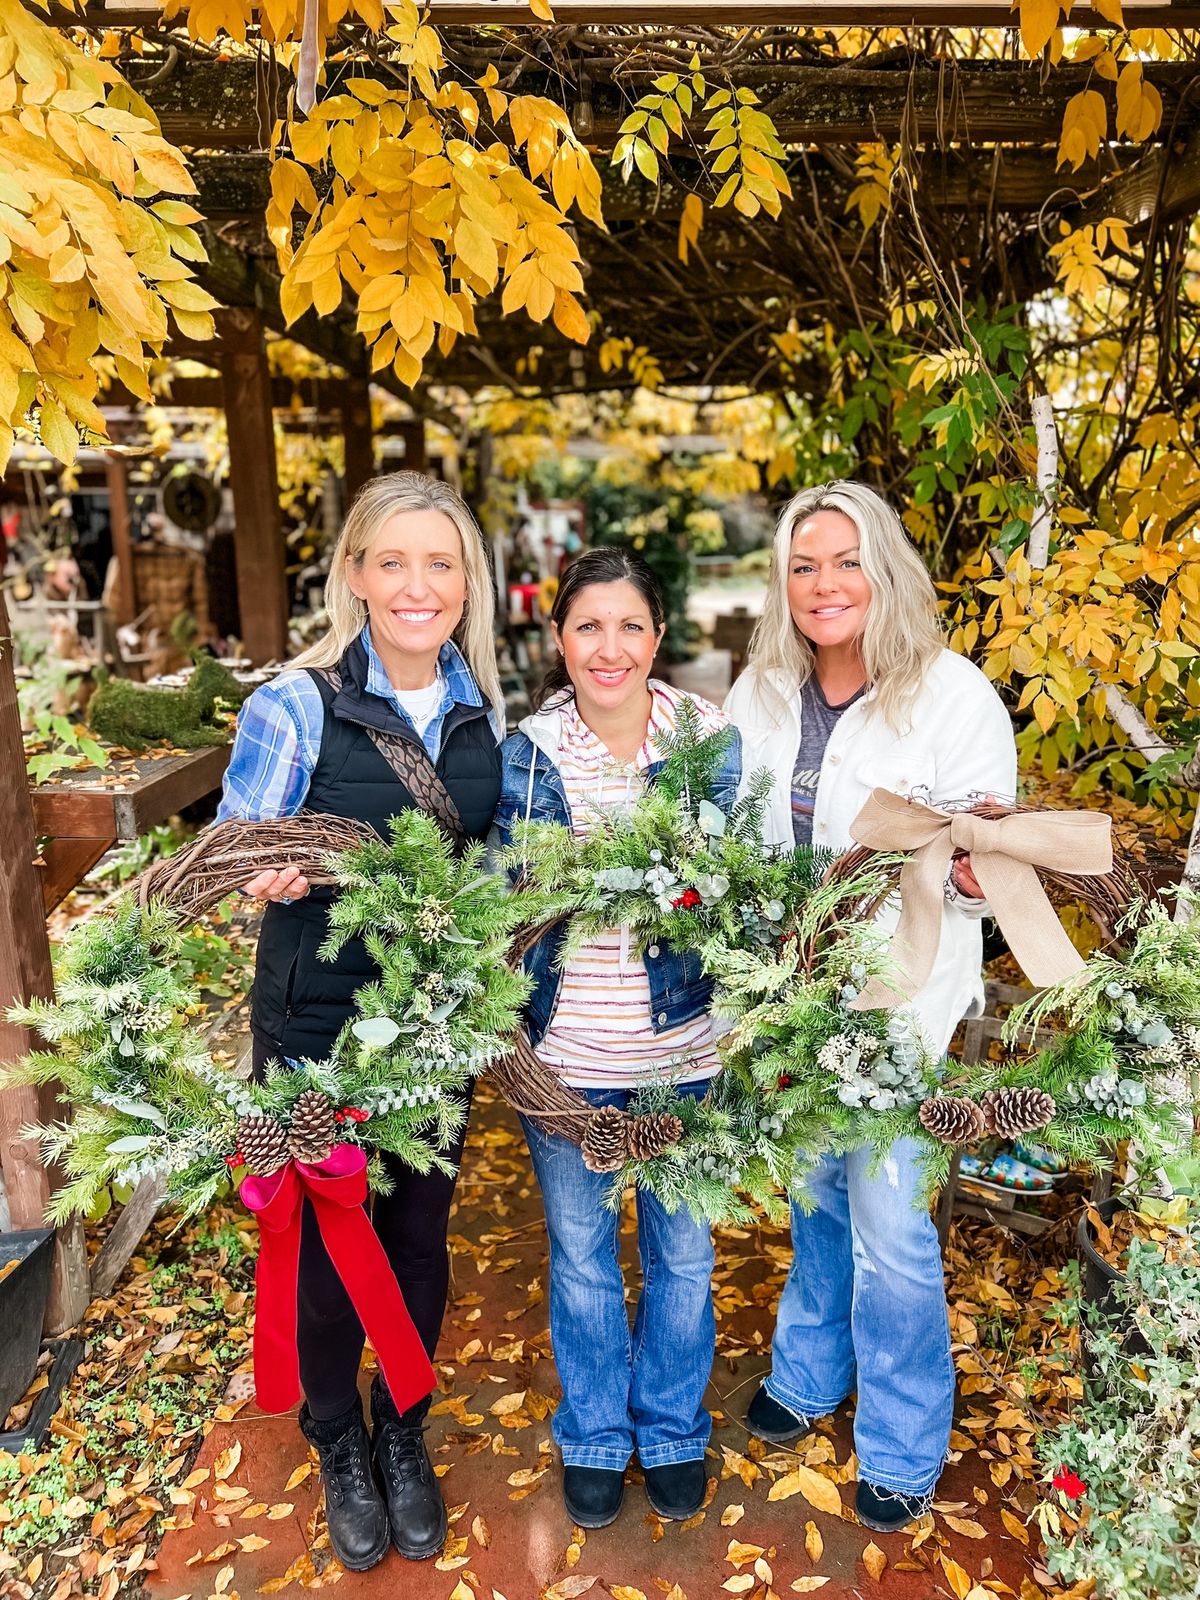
(279, 733)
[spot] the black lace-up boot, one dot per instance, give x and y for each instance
(354, 1508)
(415, 1507)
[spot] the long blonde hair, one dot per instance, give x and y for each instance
(901, 637)
(379, 499)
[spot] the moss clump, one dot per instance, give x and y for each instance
(134, 715)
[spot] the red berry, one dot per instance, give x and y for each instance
(1069, 1483)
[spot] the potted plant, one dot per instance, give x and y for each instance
(1124, 1471)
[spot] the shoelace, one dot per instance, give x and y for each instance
(346, 1456)
(405, 1452)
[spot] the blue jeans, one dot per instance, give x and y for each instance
(622, 1394)
(864, 1306)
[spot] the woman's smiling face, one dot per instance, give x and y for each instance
(828, 592)
(413, 583)
(609, 642)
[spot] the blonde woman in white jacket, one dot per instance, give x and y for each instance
(849, 688)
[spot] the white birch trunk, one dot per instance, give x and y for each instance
(1038, 547)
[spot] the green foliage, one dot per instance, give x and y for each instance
(835, 1078)
(132, 856)
(1134, 1440)
(904, 407)
(41, 698)
(147, 1097)
(671, 867)
(1131, 1019)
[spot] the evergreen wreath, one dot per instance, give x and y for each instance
(672, 868)
(830, 1078)
(1130, 1018)
(1126, 1063)
(147, 1097)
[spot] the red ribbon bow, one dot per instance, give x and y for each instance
(337, 1188)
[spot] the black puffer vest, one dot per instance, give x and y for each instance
(301, 1003)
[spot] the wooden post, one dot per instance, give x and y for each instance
(258, 528)
(413, 434)
(116, 475)
(26, 973)
(357, 436)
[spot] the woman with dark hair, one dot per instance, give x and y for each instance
(606, 1022)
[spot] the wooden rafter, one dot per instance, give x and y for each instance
(684, 14)
(207, 104)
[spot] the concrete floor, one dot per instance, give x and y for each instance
(489, 1435)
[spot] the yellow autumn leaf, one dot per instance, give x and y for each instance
(1084, 123)
(690, 222)
(570, 318)
(569, 1588)
(1014, 1525)
(740, 1583)
(814, 1545)
(732, 1515)
(227, 1461)
(874, 1560)
(807, 1585)
(475, 247)
(964, 1525)
(1139, 104)
(815, 1488)
(958, 1579)
(1039, 19)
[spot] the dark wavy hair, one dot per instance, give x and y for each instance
(609, 564)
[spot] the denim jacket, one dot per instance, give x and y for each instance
(531, 789)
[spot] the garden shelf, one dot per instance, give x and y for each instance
(84, 813)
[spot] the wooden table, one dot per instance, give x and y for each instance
(83, 814)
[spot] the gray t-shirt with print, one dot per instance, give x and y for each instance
(817, 722)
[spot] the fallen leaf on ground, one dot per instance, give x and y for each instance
(874, 1560)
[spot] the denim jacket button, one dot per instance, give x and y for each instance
(662, 1017)
(653, 950)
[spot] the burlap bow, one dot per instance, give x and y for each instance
(1005, 853)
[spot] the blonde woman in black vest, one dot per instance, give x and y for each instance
(409, 652)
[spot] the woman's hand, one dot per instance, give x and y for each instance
(281, 884)
(965, 880)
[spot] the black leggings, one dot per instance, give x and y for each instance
(411, 1223)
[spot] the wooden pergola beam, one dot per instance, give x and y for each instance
(212, 104)
(688, 14)
(1164, 184)
(237, 185)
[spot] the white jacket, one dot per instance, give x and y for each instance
(958, 743)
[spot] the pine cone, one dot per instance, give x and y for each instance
(313, 1131)
(263, 1144)
(651, 1134)
(952, 1119)
(606, 1140)
(1010, 1112)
